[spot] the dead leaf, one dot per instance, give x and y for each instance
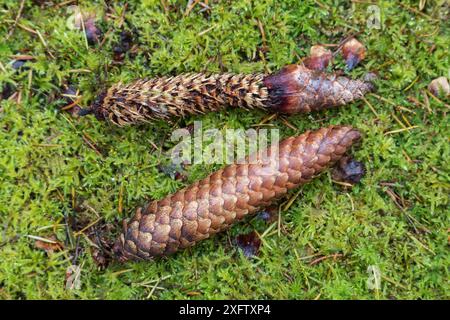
(123, 46)
(249, 244)
(49, 246)
(269, 214)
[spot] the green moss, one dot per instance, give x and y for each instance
(44, 159)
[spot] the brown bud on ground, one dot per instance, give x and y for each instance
(319, 58)
(353, 52)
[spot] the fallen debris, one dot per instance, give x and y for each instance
(348, 170)
(439, 87)
(249, 244)
(49, 245)
(353, 52)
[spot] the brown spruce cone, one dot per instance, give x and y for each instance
(293, 89)
(216, 202)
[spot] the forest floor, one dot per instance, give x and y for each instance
(385, 238)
